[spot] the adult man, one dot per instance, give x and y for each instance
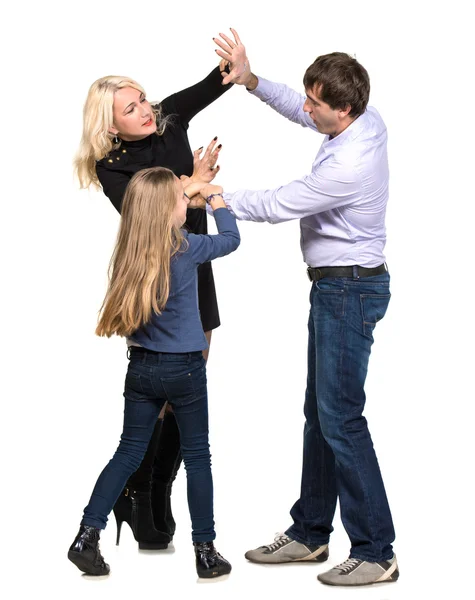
(341, 205)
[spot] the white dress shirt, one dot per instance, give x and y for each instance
(341, 204)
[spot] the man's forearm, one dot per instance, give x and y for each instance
(252, 82)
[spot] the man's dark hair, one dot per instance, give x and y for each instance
(340, 81)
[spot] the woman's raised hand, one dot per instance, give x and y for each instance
(235, 53)
(204, 168)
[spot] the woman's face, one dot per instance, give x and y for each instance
(133, 115)
(181, 204)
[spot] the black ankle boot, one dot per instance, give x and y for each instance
(166, 465)
(85, 554)
(134, 508)
(209, 563)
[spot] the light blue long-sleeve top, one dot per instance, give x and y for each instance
(341, 203)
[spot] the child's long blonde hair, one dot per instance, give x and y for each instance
(139, 271)
(97, 141)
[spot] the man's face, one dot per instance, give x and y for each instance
(325, 118)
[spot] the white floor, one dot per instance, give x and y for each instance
(170, 574)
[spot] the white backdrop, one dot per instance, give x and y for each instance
(62, 386)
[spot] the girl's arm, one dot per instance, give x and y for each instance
(208, 247)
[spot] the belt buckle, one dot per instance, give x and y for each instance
(316, 270)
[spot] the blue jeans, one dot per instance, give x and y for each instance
(153, 379)
(338, 455)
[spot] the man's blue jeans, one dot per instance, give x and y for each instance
(338, 455)
(153, 379)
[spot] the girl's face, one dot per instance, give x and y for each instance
(181, 204)
(133, 115)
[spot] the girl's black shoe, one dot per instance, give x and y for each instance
(85, 554)
(134, 508)
(209, 563)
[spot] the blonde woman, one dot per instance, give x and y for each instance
(152, 300)
(122, 134)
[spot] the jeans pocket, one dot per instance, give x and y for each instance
(373, 309)
(133, 386)
(331, 297)
(179, 388)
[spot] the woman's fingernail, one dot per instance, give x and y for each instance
(201, 148)
(215, 138)
(220, 146)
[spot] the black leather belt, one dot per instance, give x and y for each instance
(355, 271)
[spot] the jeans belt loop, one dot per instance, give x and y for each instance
(355, 272)
(128, 352)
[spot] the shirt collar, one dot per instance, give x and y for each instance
(349, 133)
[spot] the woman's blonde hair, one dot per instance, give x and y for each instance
(148, 238)
(97, 141)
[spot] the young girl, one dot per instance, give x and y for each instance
(152, 300)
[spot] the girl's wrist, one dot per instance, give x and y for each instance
(209, 198)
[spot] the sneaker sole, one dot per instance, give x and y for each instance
(317, 559)
(391, 579)
(83, 565)
(212, 574)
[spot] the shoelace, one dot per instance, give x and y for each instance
(348, 565)
(279, 540)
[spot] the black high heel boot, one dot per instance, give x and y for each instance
(209, 563)
(85, 554)
(134, 508)
(166, 464)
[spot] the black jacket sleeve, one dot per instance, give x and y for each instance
(113, 184)
(192, 100)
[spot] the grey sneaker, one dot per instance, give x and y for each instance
(285, 550)
(361, 572)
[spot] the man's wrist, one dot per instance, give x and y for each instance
(251, 83)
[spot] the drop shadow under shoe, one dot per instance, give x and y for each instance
(209, 562)
(85, 554)
(285, 550)
(361, 572)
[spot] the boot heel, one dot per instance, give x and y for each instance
(119, 527)
(134, 508)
